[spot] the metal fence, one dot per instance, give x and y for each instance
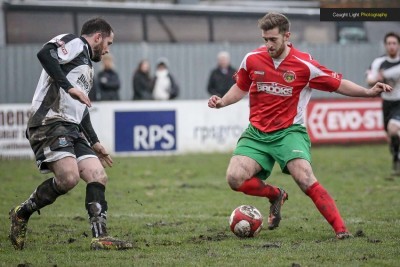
(189, 63)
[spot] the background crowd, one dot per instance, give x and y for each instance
(162, 85)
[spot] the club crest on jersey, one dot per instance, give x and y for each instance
(62, 141)
(289, 76)
(61, 44)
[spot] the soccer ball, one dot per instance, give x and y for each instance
(246, 221)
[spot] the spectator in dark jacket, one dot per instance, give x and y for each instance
(221, 78)
(142, 82)
(108, 80)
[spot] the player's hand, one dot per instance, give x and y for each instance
(379, 88)
(80, 96)
(215, 102)
(103, 155)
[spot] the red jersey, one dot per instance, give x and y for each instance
(279, 90)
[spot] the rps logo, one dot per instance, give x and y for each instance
(145, 131)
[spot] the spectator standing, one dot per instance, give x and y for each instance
(108, 80)
(142, 82)
(164, 84)
(221, 78)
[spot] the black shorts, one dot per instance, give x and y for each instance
(56, 141)
(391, 110)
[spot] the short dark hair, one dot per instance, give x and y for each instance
(272, 20)
(96, 25)
(391, 34)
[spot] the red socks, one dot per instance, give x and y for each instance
(256, 187)
(326, 206)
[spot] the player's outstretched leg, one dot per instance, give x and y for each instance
(327, 207)
(275, 217)
(96, 206)
(45, 194)
(18, 228)
(277, 196)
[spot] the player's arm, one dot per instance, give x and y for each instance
(49, 60)
(350, 88)
(87, 129)
(374, 75)
(232, 96)
(48, 57)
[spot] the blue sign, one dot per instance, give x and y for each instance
(145, 131)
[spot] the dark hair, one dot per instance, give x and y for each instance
(139, 68)
(273, 20)
(391, 34)
(96, 25)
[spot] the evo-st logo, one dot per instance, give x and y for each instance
(145, 131)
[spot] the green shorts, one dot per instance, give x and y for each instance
(280, 146)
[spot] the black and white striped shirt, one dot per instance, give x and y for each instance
(66, 64)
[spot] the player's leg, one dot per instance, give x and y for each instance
(394, 143)
(393, 131)
(251, 164)
(66, 177)
(53, 154)
(294, 157)
(93, 173)
(391, 119)
(241, 177)
(302, 173)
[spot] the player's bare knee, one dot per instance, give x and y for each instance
(67, 181)
(100, 176)
(305, 179)
(234, 181)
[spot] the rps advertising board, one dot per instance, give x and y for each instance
(345, 121)
(145, 131)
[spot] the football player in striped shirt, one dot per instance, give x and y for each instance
(61, 134)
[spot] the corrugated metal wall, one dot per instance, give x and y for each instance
(189, 63)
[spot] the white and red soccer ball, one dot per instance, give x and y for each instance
(246, 221)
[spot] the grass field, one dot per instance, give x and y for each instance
(175, 209)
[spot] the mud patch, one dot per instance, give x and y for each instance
(162, 223)
(264, 246)
(371, 240)
(359, 233)
(79, 218)
(209, 238)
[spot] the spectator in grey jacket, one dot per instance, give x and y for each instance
(221, 78)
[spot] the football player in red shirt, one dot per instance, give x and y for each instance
(279, 80)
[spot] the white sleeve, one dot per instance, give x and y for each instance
(69, 47)
(372, 74)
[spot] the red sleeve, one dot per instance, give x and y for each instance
(324, 79)
(243, 80)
